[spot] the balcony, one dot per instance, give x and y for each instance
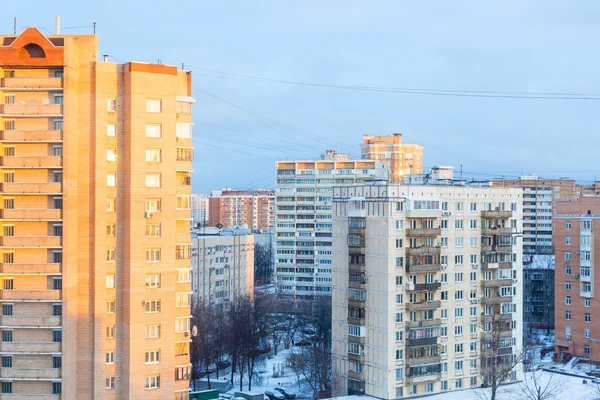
(496, 231)
(31, 161)
(30, 347)
(496, 317)
(496, 283)
(411, 362)
(30, 320)
(30, 241)
(495, 248)
(30, 269)
(425, 305)
(31, 136)
(495, 335)
(496, 214)
(585, 294)
(183, 214)
(424, 232)
(31, 84)
(423, 250)
(423, 378)
(488, 301)
(358, 231)
(423, 286)
(30, 373)
(356, 375)
(503, 351)
(423, 323)
(423, 213)
(48, 295)
(424, 268)
(496, 265)
(31, 110)
(38, 214)
(422, 342)
(31, 188)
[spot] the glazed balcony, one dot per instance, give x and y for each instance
(30, 241)
(30, 373)
(496, 283)
(496, 214)
(32, 188)
(30, 320)
(496, 265)
(421, 342)
(496, 248)
(424, 232)
(411, 362)
(495, 335)
(31, 161)
(425, 305)
(496, 317)
(423, 286)
(423, 323)
(30, 347)
(37, 214)
(423, 213)
(496, 231)
(48, 295)
(31, 136)
(30, 269)
(423, 250)
(31, 110)
(31, 84)
(424, 268)
(488, 301)
(423, 378)
(503, 351)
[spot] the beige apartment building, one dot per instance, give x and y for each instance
(96, 161)
(426, 278)
(222, 267)
(304, 205)
(403, 159)
(577, 243)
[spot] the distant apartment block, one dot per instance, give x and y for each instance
(96, 162)
(403, 159)
(252, 208)
(200, 208)
(577, 246)
(223, 267)
(426, 287)
(304, 190)
(538, 294)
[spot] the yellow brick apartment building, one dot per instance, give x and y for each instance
(95, 212)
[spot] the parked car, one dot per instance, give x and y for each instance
(274, 395)
(287, 393)
(223, 364)
(304, 343)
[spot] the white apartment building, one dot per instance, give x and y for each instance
(303, 214)
(222, 267)
(424, 278)
(200, 208)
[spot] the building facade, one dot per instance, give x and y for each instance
(252, 208)
(223, 267)
(200, 209)
(426, 287)
(403, 159)
(538, 294)
(304, 189)
(95, 215)
(577, 243)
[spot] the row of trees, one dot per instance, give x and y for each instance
(242, 333)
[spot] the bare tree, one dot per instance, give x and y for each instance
(534, 387)
(263, 266)
(202, 349)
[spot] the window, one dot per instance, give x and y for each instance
(110, 255)
(458, 259)
(458, 295)
(111, 105)
(6, 387)
(567, 239)
(398, 373)
(183, 107)
(568, 315)
(568, 300)
(444, 313)
(184, 130)
(458, 347)
(473, 276)
(458, 383)
(110, 281)
(111, 229)
(110, 383)
(153, 255)
(110, 357)
(111, 180)
(152, 382)
(399, 355)
(8, 283)
(444, 331)
(152, 281)
(154, 131)
(6, 361)
(444, 385)
(586, 302)
(588, 317)
(110, 332)
(458, 331)
(153, 180)
(399, 224)
(587, 333)
(56, 336)
(56, 362)
(153, 230)
(567, 255)
(152, 357)
(182, 348)
(459, 241)
(110, 307)
(111, 130)
(183, 373)
(7, 309)
(458, 224)
(58, 125)
(153, 155)
(183, 300)
(111, 155)
(111, 205)
(152, 306)
(458, 365)
(458, 276)
(568, 225)
(568, 285)
(183, 202)
(473, 207)
(153, 105)
(398, 243)
(57, 310)
(182, 324)
(459, 206)
(152, 331)
(444, 224)
(152, 205)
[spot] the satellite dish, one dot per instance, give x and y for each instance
(219, 226)
(194, 331)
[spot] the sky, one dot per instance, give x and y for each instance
(243, 124)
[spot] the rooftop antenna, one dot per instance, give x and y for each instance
(15, 26)
(58, 25)
(94, 28)
(461, 172)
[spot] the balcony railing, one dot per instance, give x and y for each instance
(30, 241)
(424, 232)
(496, 214)
(496, 283)
(488, 301)
(31, 188)
(37, 214)
(31, 161)
(424, 268)
(423, 286)
(21, 268)
(30, 294)
(31, 136)
(496, 231)
(29, 320)
(496, 265)
(31, 83)
(31, 110)
(426, 305)
(423, 250)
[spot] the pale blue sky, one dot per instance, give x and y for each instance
(522, 46)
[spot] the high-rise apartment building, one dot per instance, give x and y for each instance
(304, 189)
(222, 266)
(252, 208)
(200, 208)
(403, 159)
(577, 244)
(95, 269)
(538, 294)
(426, 287)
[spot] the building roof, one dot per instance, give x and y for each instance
(257, 192)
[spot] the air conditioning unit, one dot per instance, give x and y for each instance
(576, 276)
(446, 213)
(444, 266)
(474, 266)
(514, 281)
(474, 301)
(149, 214)
(363, 279)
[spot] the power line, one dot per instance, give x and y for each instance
(421, 91)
